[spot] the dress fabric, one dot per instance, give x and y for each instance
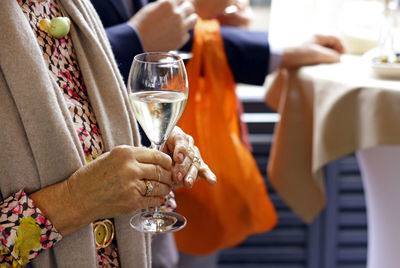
(60, 56)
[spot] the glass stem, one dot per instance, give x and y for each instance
(157, 213)
(157, 147)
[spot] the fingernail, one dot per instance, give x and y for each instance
(179, 176)
(190, 181)
(181, 157)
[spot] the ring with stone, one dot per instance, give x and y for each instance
(196, 162)
(149, 188)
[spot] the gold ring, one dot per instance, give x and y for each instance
(149, 188)
(158, 173)
(191, 153)
(197, 162)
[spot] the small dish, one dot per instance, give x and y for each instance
(385, 69)
(382, 66)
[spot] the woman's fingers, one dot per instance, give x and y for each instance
(194, 167)
(183, 146)
(149, 188)
(183, 156)
(146, 202)
(149, 156)
(155, 173)
(206, 173)
(180, 171)
(202, 168)
(189, 180)
(175, 145)
(188, 164)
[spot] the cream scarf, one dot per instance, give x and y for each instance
(38, 143)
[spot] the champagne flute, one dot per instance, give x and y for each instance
(157, 90)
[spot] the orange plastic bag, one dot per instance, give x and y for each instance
(238, 206)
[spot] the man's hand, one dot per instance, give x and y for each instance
(321, 49)
(209, 9)
(163, 25)
(237, 15)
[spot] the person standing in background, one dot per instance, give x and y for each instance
(135, 26)
(71, 156)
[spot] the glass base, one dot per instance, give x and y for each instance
(152, 221)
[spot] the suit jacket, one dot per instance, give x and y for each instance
(247, 51)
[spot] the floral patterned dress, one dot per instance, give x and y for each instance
(24, 229)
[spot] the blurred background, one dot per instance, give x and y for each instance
(261, 10)
(338, 237)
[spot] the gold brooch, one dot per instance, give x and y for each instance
(103, 233)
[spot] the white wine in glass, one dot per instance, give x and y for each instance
(158, 90)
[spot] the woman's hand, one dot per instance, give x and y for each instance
(112, 185)
(188, 165)
(115, 184)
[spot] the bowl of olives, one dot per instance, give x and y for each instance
(387, 67)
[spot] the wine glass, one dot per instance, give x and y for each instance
(157, 90)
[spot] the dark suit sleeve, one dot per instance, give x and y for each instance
(248, 54)
(125, 43)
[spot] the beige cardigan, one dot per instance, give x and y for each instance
(38, 144)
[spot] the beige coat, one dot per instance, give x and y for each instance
(38, 143)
